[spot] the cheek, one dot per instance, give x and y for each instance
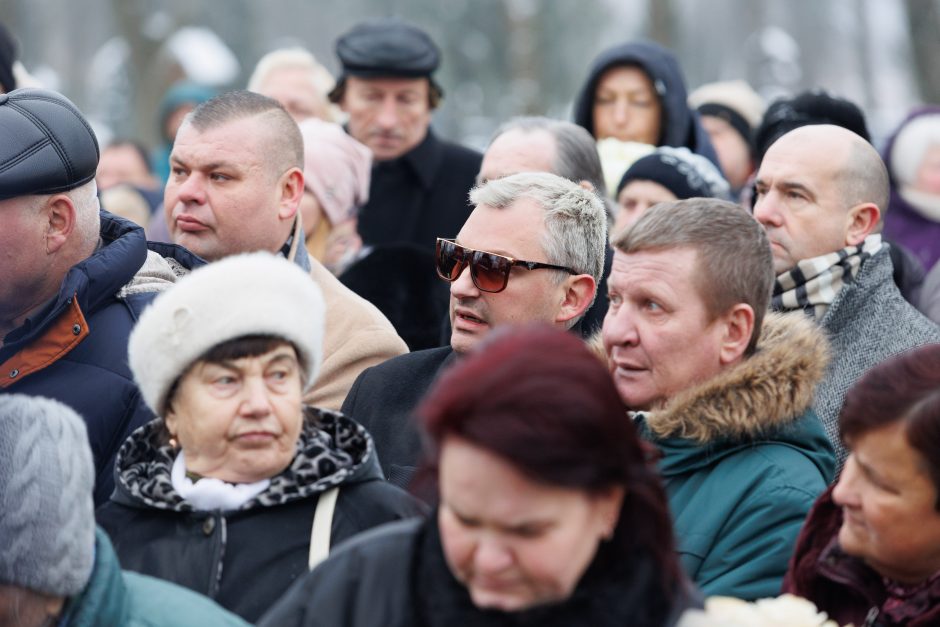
(457, 544)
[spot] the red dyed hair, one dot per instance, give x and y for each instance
(906, 387)
(538, 398)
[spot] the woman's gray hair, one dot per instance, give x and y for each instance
(575, 220)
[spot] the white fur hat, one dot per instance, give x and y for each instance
(251, 294)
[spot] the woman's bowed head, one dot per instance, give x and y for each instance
(542, 478)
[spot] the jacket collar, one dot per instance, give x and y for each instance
(772, 388)
(424, 160)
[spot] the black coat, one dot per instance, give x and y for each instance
(421, 195)
(243, 559)
(383, 399)
(396, 576)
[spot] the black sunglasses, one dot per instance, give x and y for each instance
(488, 271)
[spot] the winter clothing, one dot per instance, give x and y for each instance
(680, 125)
(383, 399)
(809, 107)
(75, 349)
(744, 458)
(913, 216)
(400, 280)
(845, 587)
(48, 147)
(246, 558)
(929, 302)
(736, 102)
(387, 47)
(396, 576)
(357, 337)
(46, 479)
(867, 322)
(421, 195)
(336, 169)
(114, 597)
(250, 294)
(814, 283)
(682, 172)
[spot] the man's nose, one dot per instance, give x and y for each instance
(192, 189)
(463, 286)
(387, 116)
(766, 210)
(619, 328)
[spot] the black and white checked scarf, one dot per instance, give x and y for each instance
(814, 283)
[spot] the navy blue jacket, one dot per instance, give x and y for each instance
(680, 125)
(75, 349)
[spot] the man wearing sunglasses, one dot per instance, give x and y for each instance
(531, 251)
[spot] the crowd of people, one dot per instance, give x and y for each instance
(308, 363)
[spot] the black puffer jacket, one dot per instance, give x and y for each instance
(246, 558)
(397, 576)
(680, 125)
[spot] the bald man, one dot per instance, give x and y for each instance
(821, 193)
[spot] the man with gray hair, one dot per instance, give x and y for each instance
(540, 144)
(235, 186)
(531, 251)
(821, 193)
(74, 281)
(722, 390)
(56, 567)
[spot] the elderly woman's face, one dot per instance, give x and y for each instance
(239, 421)
(888, 502)
(512, 542)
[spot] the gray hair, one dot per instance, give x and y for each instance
(735, 262)
(575, 220)
(285, 145)
(292, 58)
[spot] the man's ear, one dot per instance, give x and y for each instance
(579, 293)
(291, 189)
(862, 221)
(60, 218)
(737, 326)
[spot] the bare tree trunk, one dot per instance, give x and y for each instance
(924, 19)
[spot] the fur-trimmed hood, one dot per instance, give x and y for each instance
(769, 390)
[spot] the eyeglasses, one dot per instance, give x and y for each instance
(488, 271)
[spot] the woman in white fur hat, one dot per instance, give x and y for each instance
(238, 488)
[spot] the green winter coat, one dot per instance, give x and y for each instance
(744, 458)
(115, 597)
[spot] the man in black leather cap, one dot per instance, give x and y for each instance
(72, 280)
(419, 183)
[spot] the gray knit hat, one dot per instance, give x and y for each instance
(47, 516)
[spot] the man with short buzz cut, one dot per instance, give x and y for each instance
(531, 251)
(722, 390)
(821, 194)
(419, 182)
(235, 186)
(74, 279)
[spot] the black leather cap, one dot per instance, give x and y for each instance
(387, 47)
(46, 145)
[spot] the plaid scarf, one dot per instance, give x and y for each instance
(814, 283)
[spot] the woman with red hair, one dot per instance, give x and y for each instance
(549, 511)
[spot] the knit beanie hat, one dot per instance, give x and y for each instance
(682, 172)
(47, 517)
(810, 107)
(733, 101)
(251, 294)
(337, 169)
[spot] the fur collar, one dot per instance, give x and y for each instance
(772, 388)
